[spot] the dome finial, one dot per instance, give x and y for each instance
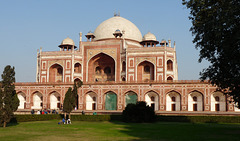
(116, 14)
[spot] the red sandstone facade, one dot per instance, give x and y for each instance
(117, 68)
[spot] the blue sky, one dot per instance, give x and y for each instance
(27, 25)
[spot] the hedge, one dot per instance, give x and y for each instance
(24, 118)
(200, 119)
(96, 117)
(161, 118)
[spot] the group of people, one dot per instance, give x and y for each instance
(68, 121)
(42, 112)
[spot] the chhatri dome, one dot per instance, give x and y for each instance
(67, 42)
(106, 29)
(149, 37)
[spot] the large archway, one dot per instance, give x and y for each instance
(91, 101)
(145, 71)
(37, 100)
(101, 68)
(22, 100)
(218, 101)
(151, 99)
(110, 101)
(55, 100)
(195, 101)
(173, 101)
(130, 97)
(56, 73)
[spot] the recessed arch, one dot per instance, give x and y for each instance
(169, 78)
(101, 70)
(152, 99)
(169, 65)
(37, 100)
(195, 101)
(77, 68)
(56, 73)
(91, 100)
(110, 100)
(173, 101)
(130, 98)
(123, 66)
(145, 71)
(218, 101)
(22, 100)
(77, 80)
(55, 100)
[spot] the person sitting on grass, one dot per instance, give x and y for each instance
(69, 121)
(62, 121)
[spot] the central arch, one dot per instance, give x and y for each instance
(101, 68)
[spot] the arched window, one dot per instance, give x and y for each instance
(98, 70)
(152, 98)
(77, 68)
(107, 70)
(123, 79)
(173, 99)
(169, 79)
(123, 66)
(59, 71)
(195, 98)
(94, 98)
(169, 65)
(217, 98)
(146, 69)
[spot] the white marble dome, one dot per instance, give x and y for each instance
(149, 37)
(68, 41)
(106, 29)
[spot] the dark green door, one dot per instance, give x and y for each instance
(110, 101)
(131, 97)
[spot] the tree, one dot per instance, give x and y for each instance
(70, 100)
(9, 101)
(139, 112)
(216, 26)
(67, 105)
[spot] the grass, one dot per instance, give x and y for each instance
(82, 130)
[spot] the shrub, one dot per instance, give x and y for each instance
(139, 112)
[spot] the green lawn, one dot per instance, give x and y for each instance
(82, 130)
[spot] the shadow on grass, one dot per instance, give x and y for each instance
(179, 129)
(12, 124)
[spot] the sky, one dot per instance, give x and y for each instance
(27, 25)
